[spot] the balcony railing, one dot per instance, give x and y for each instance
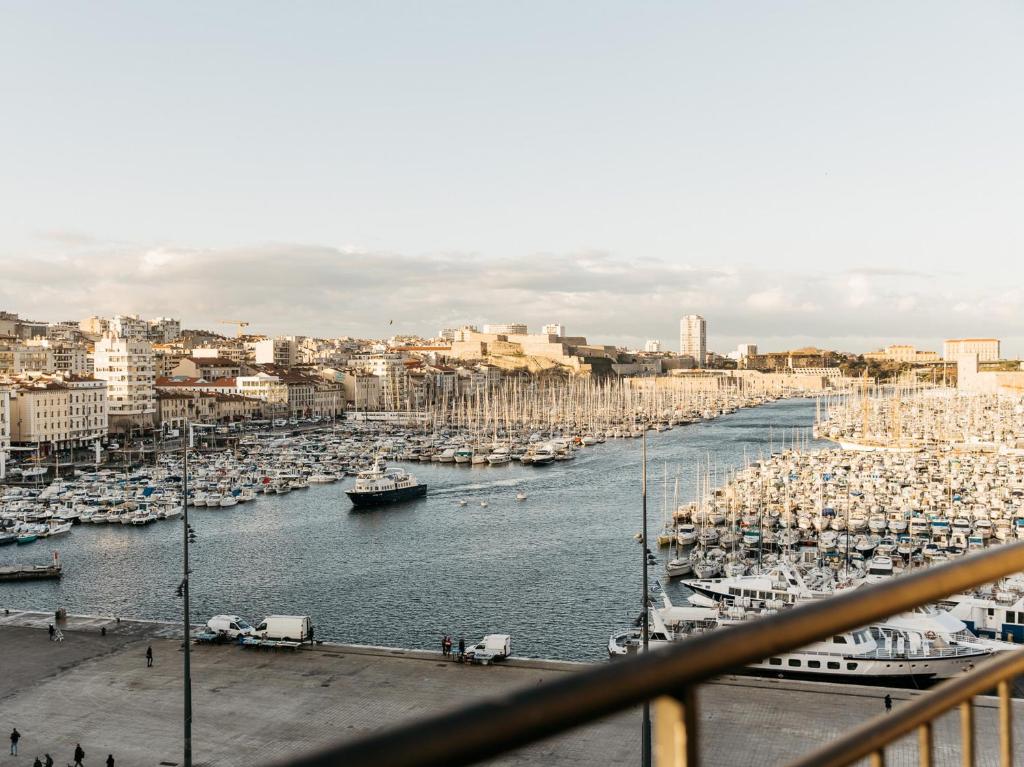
(669, 678)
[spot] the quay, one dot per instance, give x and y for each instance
(251, 708)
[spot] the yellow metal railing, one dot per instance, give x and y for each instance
(669, 679)
(870, 739)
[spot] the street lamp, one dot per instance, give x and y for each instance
(646, 727)
(187, 537)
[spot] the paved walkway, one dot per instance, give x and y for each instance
(254, 707)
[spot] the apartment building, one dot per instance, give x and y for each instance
(5, 422)
(58, 412)
(693, 338)
(126, 364)
(210, 368)
(282, 352)
(17, 357)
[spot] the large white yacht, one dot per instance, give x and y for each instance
(880, 654)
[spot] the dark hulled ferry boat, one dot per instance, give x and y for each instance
(380, 486)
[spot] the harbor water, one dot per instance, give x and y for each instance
(558, 571)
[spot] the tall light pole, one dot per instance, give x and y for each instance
(187, 670)
(186, 531)
(646, 732)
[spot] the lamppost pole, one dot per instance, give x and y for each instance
(186, 439)
(646, 733)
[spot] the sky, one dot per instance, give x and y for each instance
(842, 174)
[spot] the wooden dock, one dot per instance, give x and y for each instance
(30, 572)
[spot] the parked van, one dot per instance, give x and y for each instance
(492, 647)
(292, 628)
(230, 625)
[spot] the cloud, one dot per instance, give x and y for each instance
(319, 290)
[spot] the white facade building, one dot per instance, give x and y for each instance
(987, 349)
(61, 413)
(652, 346)
(263, 386)
(554, 329)
(693, 338)
(282, 352)
(506, 329)
(389, 367)
(163, 329)
(5, 425)
(127, 365)
(129, 326)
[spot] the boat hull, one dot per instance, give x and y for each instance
(386, 497)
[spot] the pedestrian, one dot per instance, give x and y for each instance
(110, 760)
(15, 737)
(52, 631)
(149, 657)
(462, 648)
(444, 646)
(37, 763)
(448, 645)
(79, 755)
(48, 761)
(888, 703)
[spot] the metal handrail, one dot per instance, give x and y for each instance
(494, 726)
(874, 735)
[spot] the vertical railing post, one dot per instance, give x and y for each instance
(675, 731)
(1005, 725)
(878, 758)
(689, 701)
(967, 733)
(924, 745)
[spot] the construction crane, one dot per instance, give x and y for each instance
(242, 325)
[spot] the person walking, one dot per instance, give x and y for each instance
(51, 630)
(448, 645)
(462, 648)
(149, 657)
(444, 646)
(888, 703)
(15, 737)
(110, 760)
(37, 763)
(79, 755)
(47, 761)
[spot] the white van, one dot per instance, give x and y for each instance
(492, 647)
(291, 628)
(230, 625)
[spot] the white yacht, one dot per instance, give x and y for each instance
(881, 653)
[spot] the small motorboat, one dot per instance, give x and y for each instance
(483, 504)
(520, 496)
(462, 502)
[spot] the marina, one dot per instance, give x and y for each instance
(553, 569)
(778, 519)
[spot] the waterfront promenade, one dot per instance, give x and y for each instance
(255, 707)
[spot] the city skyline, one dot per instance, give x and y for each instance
(150, 285)
(470, 171)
